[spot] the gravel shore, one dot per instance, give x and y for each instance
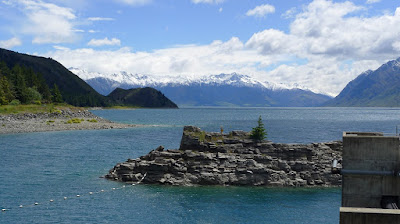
(61, 120)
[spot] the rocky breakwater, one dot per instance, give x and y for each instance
(233, 159)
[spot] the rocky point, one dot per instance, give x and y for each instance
(211, 158)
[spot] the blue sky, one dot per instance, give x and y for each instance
(319, 44)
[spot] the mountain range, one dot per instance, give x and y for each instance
(379, 88)
(215, 90)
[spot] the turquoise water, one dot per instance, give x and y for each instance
(37, 167)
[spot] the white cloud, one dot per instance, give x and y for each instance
(100, 19)
(220, 10)
(290, 13)
(135, 2)
(261, 10)
(322, 29)
(208, 1)
(272, 41)
(396, 46)
(46, 22)
(105, 41)
(372, 1)
(192, 60)
(61, 48)
(10, 43)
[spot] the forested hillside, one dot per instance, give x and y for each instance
(23, 85)
(26, 68)
(141, 97)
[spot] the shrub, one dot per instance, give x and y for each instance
(15, 102)
(74, 120)
(202, 136)
(32, 95)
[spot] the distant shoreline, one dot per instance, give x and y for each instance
(61, 120)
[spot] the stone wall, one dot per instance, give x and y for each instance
(206, 158)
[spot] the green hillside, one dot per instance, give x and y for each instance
(141, 97)
(74, 90)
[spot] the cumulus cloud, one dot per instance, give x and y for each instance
(105, 41)
(208, 1)
(261, 10)
(322, 29)
(192, 60)
(10, 43)
(272, 41)
(47, 22)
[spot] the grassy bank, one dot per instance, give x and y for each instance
(49, 108)
(34, 108)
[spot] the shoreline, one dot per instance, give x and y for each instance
(61, 120)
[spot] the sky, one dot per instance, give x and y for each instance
(317, 44)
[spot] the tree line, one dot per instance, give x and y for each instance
(23, 85)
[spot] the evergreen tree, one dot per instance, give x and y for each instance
(3, 100)
(57, 97)
(44, 89)
(19, 84)
(6, 90)
(258, 133)
(4, 70)
(31, 78)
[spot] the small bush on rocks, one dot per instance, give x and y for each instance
(74, 120)
(15, 102)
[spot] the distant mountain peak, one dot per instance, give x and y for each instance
(380, 87)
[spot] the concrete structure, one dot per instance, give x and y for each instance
(370, 178)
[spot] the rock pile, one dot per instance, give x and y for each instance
(233, 159)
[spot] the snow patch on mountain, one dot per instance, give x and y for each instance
(233, 79)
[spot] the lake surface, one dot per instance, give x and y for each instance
(39, 167)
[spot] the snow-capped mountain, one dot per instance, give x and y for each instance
(214, 90)
(125, 78)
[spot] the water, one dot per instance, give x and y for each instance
(37, 167)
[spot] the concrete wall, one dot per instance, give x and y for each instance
(369, 152)
(369, 216)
